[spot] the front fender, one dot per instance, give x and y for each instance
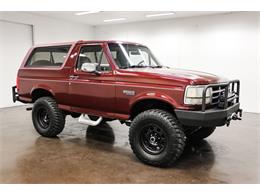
(153, 96)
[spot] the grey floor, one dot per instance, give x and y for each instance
(84, 154)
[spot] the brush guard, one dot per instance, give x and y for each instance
(223, 108)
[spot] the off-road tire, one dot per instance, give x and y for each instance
(168, 124)
(200, 134)
(56, 118)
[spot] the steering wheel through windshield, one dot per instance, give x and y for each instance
(140, 63)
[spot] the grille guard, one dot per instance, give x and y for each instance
(235, 87)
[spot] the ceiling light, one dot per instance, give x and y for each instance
(115, 19)
(85, 13)
(161, 14)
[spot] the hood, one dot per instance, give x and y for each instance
(194, 77)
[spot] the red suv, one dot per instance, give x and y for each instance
(100, 81)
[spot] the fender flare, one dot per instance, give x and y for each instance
(43, 87)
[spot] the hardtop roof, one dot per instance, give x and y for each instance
(82, 42)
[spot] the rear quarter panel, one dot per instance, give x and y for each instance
(53, 79)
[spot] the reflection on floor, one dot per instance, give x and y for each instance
(102, 154)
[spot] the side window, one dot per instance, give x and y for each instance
(93, 54)
(135, 56)
(40, 56)
(48, 56)
(147, 58)
(118, 55)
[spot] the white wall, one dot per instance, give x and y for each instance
(258, 63)
(221, 44)
(47, 30)
(16, 39)
(12, 52)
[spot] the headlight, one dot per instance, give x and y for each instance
(193, 94)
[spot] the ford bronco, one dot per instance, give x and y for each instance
(99, 81)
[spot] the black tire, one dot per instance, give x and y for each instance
(200, 133)
(48, 119)
(168, 140)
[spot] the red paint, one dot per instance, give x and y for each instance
(103, 94)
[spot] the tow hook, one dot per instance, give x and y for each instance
(127, 123)
(29, 109)
(234, 116)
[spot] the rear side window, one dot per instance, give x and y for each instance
(48, 56)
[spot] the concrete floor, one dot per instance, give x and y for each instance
(84, 154)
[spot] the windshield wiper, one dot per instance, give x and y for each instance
(144, 66)
(141, 66)
(156, 66)
(138, 66)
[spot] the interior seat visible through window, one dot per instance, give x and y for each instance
(42, 63)
(48, 56)
(82, 60)
(93, 54)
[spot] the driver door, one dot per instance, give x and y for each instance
(93, 91)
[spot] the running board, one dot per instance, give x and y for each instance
(84, 119)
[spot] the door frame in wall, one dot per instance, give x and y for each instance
(20, 23)
(31, 36)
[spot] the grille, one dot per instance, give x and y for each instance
(217, 93)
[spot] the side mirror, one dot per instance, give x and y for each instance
(89, 67)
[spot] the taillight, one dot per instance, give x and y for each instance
(17, 83)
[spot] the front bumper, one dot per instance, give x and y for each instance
(208, 118)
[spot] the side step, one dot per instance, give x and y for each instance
(84, 119)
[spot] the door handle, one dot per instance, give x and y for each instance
(73, 77)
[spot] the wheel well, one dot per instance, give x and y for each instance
(148, 104)
(38, 93)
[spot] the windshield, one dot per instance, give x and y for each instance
(132, 56)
